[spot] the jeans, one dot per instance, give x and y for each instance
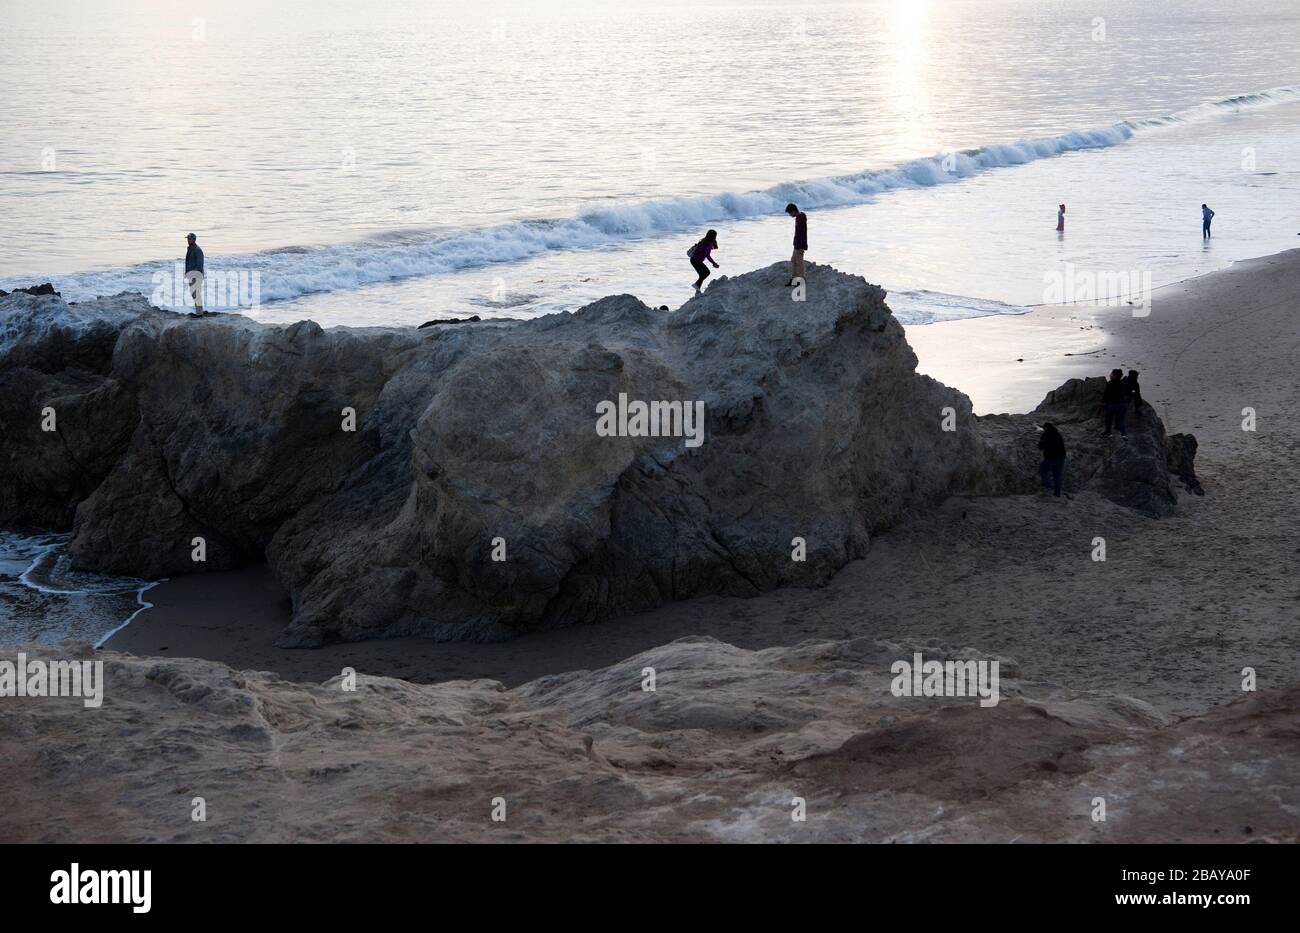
(1057, 469)
(796, 264)
(700, 268)
(1115, 413)
(1205, 229)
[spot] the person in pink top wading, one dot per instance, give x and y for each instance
(702, 252)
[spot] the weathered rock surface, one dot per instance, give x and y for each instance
(717, 752)
(472, 319)
(816, 427)
(57, 356)
(43, 289)
(1131, 470)
(1182, 461)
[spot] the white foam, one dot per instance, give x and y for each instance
(142, 605)
(72, 602)
(921, 306)
(50, 572)
(286, 274)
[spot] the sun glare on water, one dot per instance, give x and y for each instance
(908, 25)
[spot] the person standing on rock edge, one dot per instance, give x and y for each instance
(800, 242)
(1114, 401)
(1206, 216)
(701, 252)
(1133, 391)
(194, 272)
(1053, 447)
(1060, 218)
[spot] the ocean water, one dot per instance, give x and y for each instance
(397, 161)
(388, 163)
(44, 600)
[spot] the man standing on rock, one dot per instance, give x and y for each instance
(1133, 391)
(800, 242)
(194, 272)
(1114, 401)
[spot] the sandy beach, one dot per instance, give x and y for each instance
(575, 422)
(707, 719)
(1172, 616)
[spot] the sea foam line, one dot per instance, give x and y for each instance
(290, 274)
(50, 543)
(143, 605)
(26, 578)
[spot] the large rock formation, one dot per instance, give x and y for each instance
(483, 437)
(717, 752)
(55, 360)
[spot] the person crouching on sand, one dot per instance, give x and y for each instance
(702, 252)
(1053, 447)
(194, 272)
(1060, 219)
(800, 242)
(1114, 401)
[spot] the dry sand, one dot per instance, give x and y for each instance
(1180, 606)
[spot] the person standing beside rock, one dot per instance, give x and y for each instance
(1053, 447)
(194, 272)
(1114, 401)
(800, 242)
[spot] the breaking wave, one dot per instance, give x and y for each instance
(289, 273)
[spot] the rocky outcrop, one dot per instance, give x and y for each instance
(55, 372)
(472, 319)
(1132, 469)
(44, 289)
(717, 751)
(1182, 461)
(452, 482)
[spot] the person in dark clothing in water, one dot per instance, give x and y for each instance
(1053, 447)
(1207, 215)
(1114, 401)
(1133, 391)
(800, 242)
(701, 252)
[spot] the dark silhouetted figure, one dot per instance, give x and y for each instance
(1053, 447)
(1114, 402)
(800, 242)
(1206, 216)
(194, 272)
(1133, 391)
(702, 252)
